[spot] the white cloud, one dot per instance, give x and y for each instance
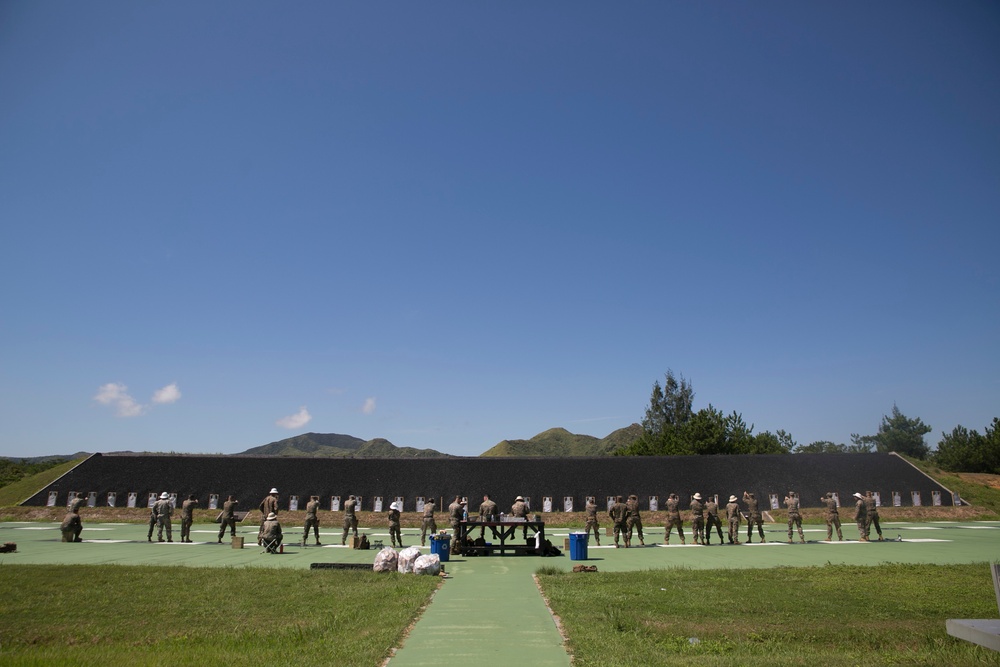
(116, 395)
(298, 420)
(369, 406)
(169, 394)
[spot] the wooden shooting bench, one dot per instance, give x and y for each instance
(503, 542)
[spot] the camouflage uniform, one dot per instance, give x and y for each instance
(395, 537)
(77, 503)
(271, 534)
(734, 517)
(861, 518)
(350, 519)
(520, 508)
(674, 518)
(712, 520)
(152, 522)
(634, 521)
(456, 512)
(312, 520)
(487, 512)
(228, 518)
(429, 525)
(755, 517)
(872, 516)
(794, 518)
(187, 518)
(832, 517)
(267, 506)
(619, 517)
(71, 527)
(163, 510)
(698, 520)
(592, 523)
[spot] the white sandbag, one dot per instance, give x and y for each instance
(406, 558)
(429, 564)
(386, 560)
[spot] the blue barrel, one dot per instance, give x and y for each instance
(578, 546)
(441, 546)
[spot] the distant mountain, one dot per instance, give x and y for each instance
(334, 445)
(554, 442)
(560, 442)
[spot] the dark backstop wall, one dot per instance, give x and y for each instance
(249, 479)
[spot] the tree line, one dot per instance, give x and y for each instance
(671, 427)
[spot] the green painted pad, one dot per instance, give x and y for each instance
(488, 611)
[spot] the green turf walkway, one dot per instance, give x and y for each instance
(488, 611)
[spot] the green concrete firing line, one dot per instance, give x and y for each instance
(925, 542)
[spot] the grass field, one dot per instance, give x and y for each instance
(833, 615)
(140, 615)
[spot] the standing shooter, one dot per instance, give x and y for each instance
(792, 502)
(754, 517)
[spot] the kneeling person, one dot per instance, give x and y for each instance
(271, 533)
(71, 527)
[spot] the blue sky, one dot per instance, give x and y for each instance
(448, 224)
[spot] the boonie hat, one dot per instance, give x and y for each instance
(521, 498)
(274, 490)
(732, 499)
(697, 496)
(164, 495)
(859, 496)
(272, 515)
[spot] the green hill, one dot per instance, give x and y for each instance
(335, 445)
(15, 492)
(560, 442)
(382, 448)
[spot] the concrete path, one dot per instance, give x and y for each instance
(488, 611)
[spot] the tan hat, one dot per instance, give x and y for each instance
(859, 496)
(519, 499)
(272, 515)
(274, 490)
(732, 499)
(164, 495)
(697, 496)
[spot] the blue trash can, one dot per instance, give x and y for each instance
(578, 546)
(441, 546)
